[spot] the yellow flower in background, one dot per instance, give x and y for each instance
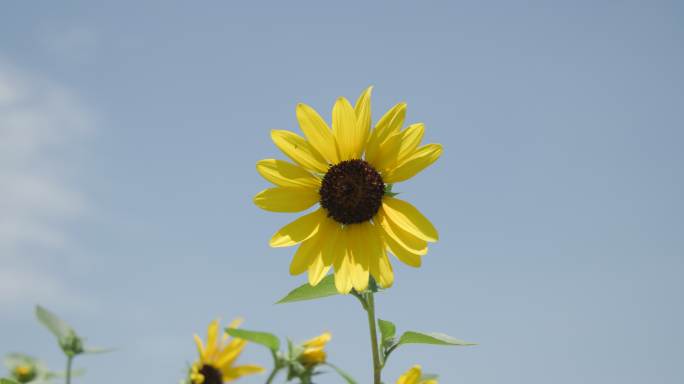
(413, 376)
(347, 170)
(25, 368)
(216, 359)
(314, 350)
(24, 373)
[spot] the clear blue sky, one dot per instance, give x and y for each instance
(129, 133)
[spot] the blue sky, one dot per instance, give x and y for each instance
(129, 133)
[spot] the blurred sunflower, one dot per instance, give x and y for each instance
(415, 376)
(314, 350)
(216, 360)
(349, 170)
(27, 369)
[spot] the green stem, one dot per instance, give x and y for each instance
(70, 360)
(377, 365)
(272, 376)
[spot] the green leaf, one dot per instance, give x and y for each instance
(266, 339)
(13, 359)
(54, 324)
(7, 381)
(347, 377)
(387, 330)
(96, 350)
(411, 337)
(306, 292)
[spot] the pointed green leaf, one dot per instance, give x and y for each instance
(347, 377)
(411, 337)
(7, 381)
(96, 350)
(266, 339)
(387, 330)
(306, 292)
(54, 324)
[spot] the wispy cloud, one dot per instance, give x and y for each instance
(39, 121)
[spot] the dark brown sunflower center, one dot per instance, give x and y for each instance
(352, 191)
(211, 375)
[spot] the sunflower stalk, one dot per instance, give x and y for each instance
(277, 366)
(67, 376)
(367, 300)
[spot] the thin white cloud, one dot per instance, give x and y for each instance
(38, 120)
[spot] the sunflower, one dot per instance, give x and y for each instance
(349, 171)
(215, 363)
(26, 369)
(314, 350)
(415, 376)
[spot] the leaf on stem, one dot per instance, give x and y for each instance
(411, 337)
(387, 330)
(266, 339)
(306, 292)
(54, 324)
(347, 377)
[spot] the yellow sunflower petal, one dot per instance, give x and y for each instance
(286, 199)
(298, 230)
(362, 109)
(343, 273)
(317, 270)
(349, 139)
(284, 174)
(416, 162)
(389, 124)
(305, 255)
(229, 354)
(200, 346)
(318, 341)
(358, 257)
(317, 132)
(410, 140)
(411, 376)
(233, 373)
(431, 381)
(236, 322)
(381, 269)
(373, 248)
(402, 253)
(331, 251)
(408, 218)
(299, 150)
(212, 339)
(388, 154)
(404, 239)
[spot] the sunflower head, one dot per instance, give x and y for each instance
(415, 376)
(24, 373)
(24, 368)
(216, 361)
(349, 168)
(314, 350)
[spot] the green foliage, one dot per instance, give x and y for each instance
(389, 342)
(347, 377)
(429, 376)
(388, 190)
(70, 342)
(411, 337)
(306, 292)
(266, 339)
(54, 324)
(4, 380)
(387, 331)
